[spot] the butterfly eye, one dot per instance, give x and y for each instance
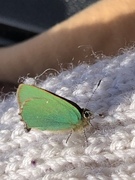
(87, 114)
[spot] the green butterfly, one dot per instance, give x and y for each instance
(45, 110)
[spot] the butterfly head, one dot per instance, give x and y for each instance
(87, 114)
(86, 117)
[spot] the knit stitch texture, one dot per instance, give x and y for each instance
(110, 150)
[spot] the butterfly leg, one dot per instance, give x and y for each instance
(69, 136)
(91, 125)
(26, 128)
(85, 136)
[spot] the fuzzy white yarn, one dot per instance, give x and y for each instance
(110, 153)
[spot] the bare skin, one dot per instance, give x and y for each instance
(104, 27)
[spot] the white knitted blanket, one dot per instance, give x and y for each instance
(110, 150)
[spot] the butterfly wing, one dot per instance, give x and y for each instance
(45, 111)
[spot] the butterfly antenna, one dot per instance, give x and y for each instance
(96, 88)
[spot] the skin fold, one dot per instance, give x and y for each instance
(103, 28)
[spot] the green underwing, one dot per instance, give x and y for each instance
(44, 110)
